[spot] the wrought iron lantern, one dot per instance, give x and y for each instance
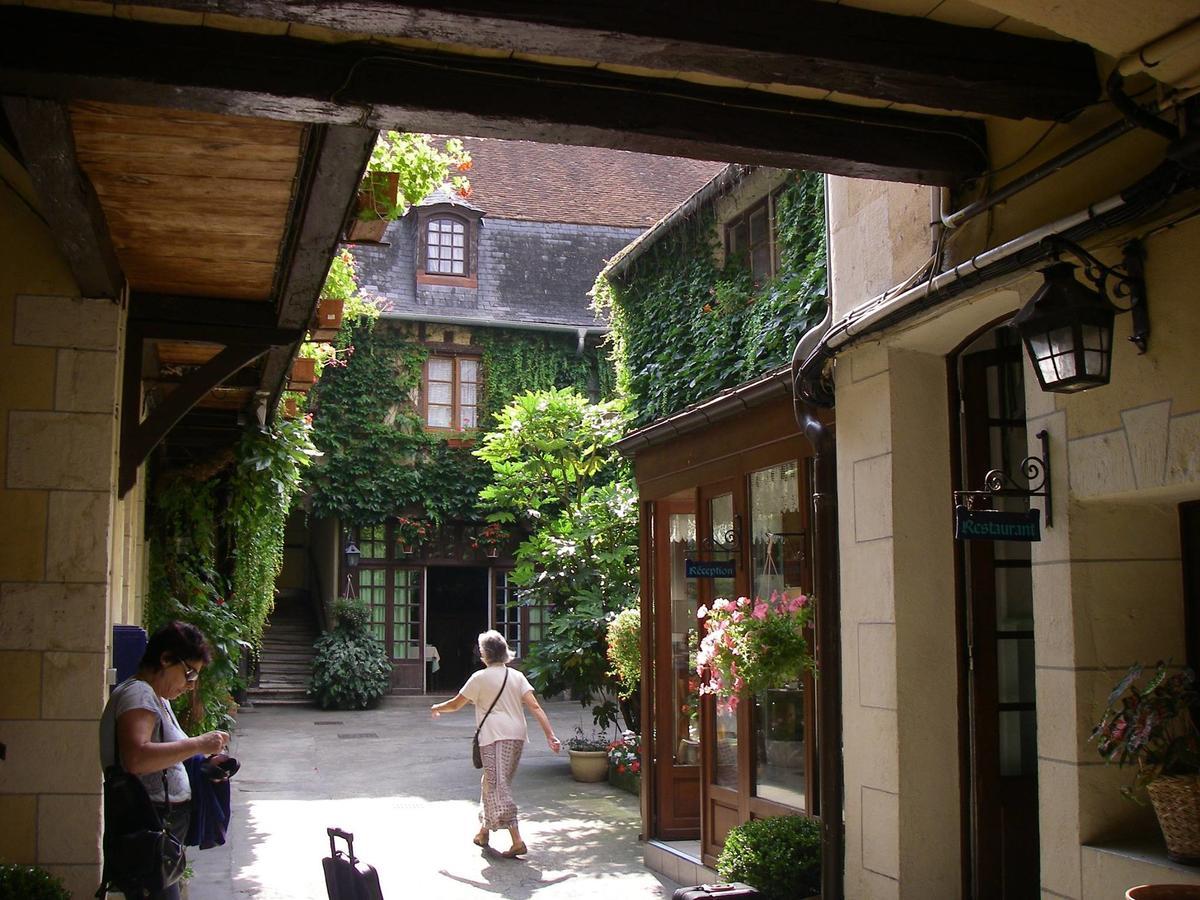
(1067, 327)
(352, 554)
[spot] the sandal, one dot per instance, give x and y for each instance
(515, 850)
(480, 839)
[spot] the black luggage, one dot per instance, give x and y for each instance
(734, 891)
(345, 877)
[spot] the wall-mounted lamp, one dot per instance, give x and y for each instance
(352, 553)
(1067, 327)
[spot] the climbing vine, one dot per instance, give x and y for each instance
(216, 546)
(378, 459)
(684, 328)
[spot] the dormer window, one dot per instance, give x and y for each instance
(446, 240)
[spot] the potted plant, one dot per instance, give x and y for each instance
(752, 646)
(490, 537)
(303, 375)
(1153, 728)
(625, 762)
(403, 169)
(351, 668)
(341, 284)
(623, 647)
(409, 532)
(779, 855)
(589, 756)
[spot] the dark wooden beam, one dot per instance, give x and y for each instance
(68, 200)
(148, 307)
(807, 43)
(227, 335)
(379, 86)
(139, 437)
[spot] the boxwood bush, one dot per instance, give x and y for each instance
(351, 669)
(781, 856)
(30, 883)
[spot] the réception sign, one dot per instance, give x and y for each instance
(708, 568)
(992, 525)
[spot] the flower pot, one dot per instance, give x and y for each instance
(404, 549)
(1176, 801)
(376, 198)
(589, 765)
(303, 375)
(626, 781)
(290, 409)
(492, 552)
(328, 320)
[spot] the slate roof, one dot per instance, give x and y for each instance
(580, 185)
(552, 218)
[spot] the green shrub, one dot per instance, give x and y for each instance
(351, 669)
(30, 883)
(781, 856)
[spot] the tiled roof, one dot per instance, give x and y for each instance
(579, 185)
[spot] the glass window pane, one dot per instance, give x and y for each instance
(466, 394)
(468, 417)
(720, 511)
(777, 538)
(441, 368)
(439, 393)
(1015, 672)
(780, 732)
(684, 642)
(468, 371)
(1018, 742)
(438, 417)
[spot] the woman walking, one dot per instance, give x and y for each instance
(502, 736)
(138, 722)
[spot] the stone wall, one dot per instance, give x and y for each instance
(58, 387)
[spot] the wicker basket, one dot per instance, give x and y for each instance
(1176, 800)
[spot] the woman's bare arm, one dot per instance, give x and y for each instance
(531, 703)
(455, 703)
(140, 754)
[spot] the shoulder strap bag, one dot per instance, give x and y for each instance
(476, 756)
(141, 855)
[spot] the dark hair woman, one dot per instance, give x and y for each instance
(502, 736)
(139, 723)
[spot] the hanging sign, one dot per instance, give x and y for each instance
(993, 525)
(708, 568)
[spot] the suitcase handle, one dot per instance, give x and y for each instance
(345, 836)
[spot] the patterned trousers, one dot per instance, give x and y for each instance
(498, 809)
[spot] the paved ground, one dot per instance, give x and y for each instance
(403, 784)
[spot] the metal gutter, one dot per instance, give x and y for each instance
(722, 406)
(582, 331)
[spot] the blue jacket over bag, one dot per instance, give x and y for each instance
(210, 807)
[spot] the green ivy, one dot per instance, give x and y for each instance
(378, 459)
(684, 328)
(216, 546)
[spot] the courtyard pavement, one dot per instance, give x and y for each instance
(403, 784)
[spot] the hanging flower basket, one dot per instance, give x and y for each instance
(489, 538)
(375, 205)
(328, 320)
(751, 646)
(303, 375)
(1176, 801)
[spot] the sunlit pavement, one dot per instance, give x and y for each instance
(403, 784)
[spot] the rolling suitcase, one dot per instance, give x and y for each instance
(345, 877)
(734, 891)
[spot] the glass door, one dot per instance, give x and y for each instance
(676, 733)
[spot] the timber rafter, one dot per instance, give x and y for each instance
(375, 85)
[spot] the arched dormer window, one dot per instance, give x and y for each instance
(447, 242)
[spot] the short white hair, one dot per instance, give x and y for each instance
(493, 648)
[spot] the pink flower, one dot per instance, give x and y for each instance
(738, 615)
(743, 601)
(760, 611)
(720, 603)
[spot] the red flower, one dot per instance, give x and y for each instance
(621, 768)
(464, 192)
(635, 766)
(220, 601)
(465, 165)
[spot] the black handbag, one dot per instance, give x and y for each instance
(141, 855)
(476, 755)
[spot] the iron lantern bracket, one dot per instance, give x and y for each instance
(1122, 286)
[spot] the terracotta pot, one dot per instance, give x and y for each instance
(290, 409)
(303, 375)
(1164, 892)
(376, 197)
(589, 765)
(329, 319)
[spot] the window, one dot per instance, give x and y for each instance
(446, 246)
(522, 625)
(750, 241)
(451, 393)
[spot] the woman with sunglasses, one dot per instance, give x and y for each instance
(139, 722)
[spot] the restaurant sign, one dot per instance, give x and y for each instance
(993, 525)
(708, 568)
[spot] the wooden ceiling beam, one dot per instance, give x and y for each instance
(68, 200)
(378, 86)
(807, 43)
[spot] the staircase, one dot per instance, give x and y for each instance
(285, 663)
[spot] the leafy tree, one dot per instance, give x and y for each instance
(556, 473)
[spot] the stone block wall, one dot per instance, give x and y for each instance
(58, 391)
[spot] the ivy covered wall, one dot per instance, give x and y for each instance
(686, 325)
(378, 459)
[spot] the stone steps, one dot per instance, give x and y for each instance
(285, 663)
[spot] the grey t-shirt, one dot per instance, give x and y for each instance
(134, 693)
